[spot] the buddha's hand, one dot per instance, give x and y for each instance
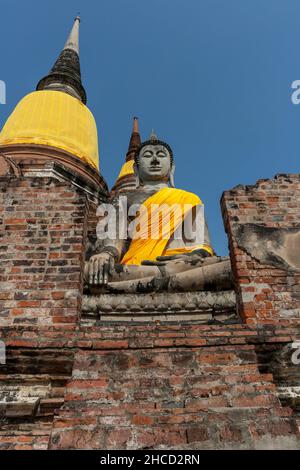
(201, 252)
(100, 266)
(192, 257)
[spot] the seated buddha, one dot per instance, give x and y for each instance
(167, 245)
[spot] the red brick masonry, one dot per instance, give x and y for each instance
(111, 386)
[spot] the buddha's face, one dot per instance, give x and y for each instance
(154, 163)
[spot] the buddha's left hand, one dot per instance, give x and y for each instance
(196, 255)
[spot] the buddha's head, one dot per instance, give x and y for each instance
(153, 161)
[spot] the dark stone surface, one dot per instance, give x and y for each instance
(65, 71)
(279, 247)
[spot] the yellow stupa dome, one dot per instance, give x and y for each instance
(55, 119)
(127, 169)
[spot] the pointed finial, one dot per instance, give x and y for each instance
(153, 136)
(135, 140)
(65, 74)
(73, 39)
(135, 124)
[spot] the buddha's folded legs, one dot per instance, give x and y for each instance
(213, 274)
(166, 266)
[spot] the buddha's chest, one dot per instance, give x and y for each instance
(135, 201)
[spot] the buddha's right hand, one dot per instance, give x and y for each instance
(99, 268)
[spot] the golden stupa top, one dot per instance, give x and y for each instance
(55, 119)
(127, 169)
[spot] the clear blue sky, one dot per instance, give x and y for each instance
(212, 77)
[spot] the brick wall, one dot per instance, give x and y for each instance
(42, 248)
(162, 386)
(178, 385)
(266, 291)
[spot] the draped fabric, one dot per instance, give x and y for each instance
(158, 218)
(55, 119)
(182, 250)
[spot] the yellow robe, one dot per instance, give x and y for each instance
(152, 220)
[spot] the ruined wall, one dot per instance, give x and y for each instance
(150, 386)
(179, 384)
(43, 235)
(173, 386)
(42, 247)
(263, 227)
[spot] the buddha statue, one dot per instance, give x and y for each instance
(179, 255)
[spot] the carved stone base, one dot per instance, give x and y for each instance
(207, 307)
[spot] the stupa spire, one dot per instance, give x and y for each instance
(135, 140)
(65, 74)
(126, 178)
(73, 40)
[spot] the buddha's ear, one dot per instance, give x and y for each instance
(136, 175)
(171, 177)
